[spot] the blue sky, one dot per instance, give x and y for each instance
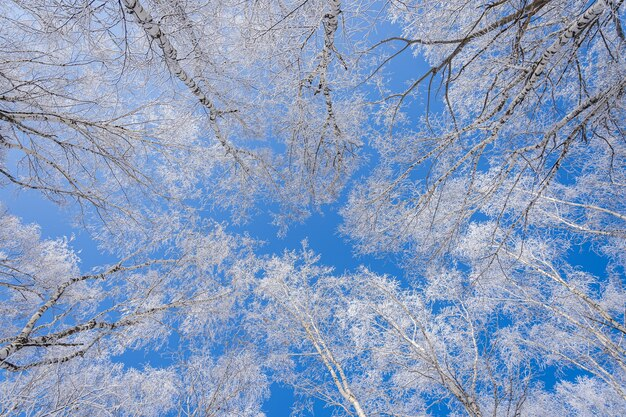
(320, 231)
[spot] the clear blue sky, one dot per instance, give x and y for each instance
(320, 231)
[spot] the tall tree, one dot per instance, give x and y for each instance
(530, 90)
(60, 324)
(115, 103)
(147, 113)
(365, 345)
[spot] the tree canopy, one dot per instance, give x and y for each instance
(479, 147)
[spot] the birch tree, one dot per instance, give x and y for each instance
(59, 324)
(111, 99)
(149, 113)
(366, 345)
(532, 96)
